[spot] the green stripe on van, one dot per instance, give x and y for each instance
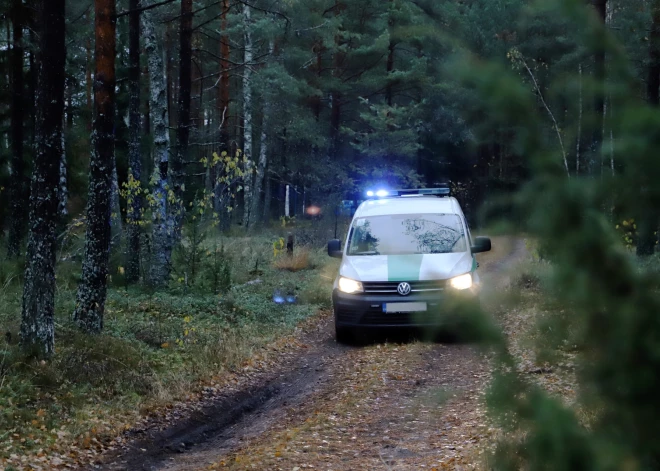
(474, 264)
(404, 267)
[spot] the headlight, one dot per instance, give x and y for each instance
(461, 282)
(346, 285)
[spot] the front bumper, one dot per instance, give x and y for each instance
(366, 310)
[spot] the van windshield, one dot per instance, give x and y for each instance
(407, 234)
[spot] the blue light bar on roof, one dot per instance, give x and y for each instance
(411, 192)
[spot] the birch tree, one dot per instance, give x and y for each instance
(263, 154)
(90, 300)
(37, 322)
(247, 115)
(63, 189)
(162, 230)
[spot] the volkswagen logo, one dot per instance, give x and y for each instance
(404, 289)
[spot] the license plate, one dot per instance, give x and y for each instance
(404, 307)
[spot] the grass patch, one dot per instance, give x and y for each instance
(299, 260)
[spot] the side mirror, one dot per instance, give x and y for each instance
(334, 248)
(481, 244)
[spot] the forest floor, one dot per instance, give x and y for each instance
(310, 403)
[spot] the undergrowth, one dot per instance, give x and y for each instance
(156, 346)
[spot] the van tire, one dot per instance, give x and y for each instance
(343, 335)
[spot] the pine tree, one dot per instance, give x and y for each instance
(91, 297)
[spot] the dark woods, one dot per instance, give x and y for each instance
(132, 117)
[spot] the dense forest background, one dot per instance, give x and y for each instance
(132, 119)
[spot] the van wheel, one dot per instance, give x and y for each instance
(343, 335)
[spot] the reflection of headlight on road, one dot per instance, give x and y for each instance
(461, 282)
(313, 210)
(346, 285)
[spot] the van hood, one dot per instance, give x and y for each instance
(413, 267)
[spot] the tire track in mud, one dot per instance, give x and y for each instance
(310, 381)
(228, 419)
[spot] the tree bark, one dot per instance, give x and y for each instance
(17, 183)
(90, 301)
(648, 223)
(37, 322)
(247, 117)
(63, 190)
(578, 146)
(223, 115)
(263, 155)
(336, 96)
(89, 92)
(268, 196)
(162, 232)
(134, 198)
(116, 227)
(599, 76)
(183, 124)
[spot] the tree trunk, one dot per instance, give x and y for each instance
(247, 117)
(162, 233)
(223, 115)
(17, 183)
(32, 89)
(37, 322)
(578, 146)
(648, 224)
(599, 77)
(90, 301)
(336, 96)
(134, 199)
(116, 229)
(263, 155)
(89, 85)
(268, 196)
(146, 117)
(183, 124)
(63, 190)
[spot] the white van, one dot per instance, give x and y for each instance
(405, 252)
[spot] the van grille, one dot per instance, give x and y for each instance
(390, 287)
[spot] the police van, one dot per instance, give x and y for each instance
(406, 252)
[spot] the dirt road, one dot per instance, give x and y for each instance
(390, 406)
